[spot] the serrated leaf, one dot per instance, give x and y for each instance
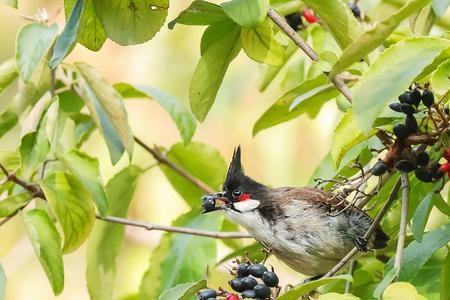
(178, 265)
(73, 207)
(106, 238)
(445, 278)
(222, 47)
(8, 120)
(303, 289)
(67, 39)
(260, 44)
(90, 30)
(8, 72)
(87, 170)
(247, 13)
(375, 37)
(200, 13)
(137, 22)
(201, 161)
(440, 6)
(13, 203)
(182, 117)
(184, 291)
(440, 79)
(418, 253)
(337, 19)
(2, 283)
(107, 110)
(390, 74)
(309, 97)
(346, 135)
(47, 245)
(33, 42)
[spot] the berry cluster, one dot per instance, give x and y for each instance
(253, 281)
(295, 19)
(417, 161)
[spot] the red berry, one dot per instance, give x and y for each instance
(232, 297)
(447, 154)
(309, 16)
(445, 168)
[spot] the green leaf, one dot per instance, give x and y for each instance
(8, 120)
(260, 44)
(418, 253)
(3, 281)
(178, 112)
(336, 296)
(184, 291)
(254, 252)
(419, 220)
(390, 74)
(440, 6)
(87, 170)
(178, 265)
(337, 19)
(33, 42)
(445, 278)
(33, 149)
(73, 207)
(47, 245)
(84, 126)
(10, 160)
(309, 96)
(106, 238)
(107, 111)
(401, 290)
(303, 289)
(12, 3)
(8, 73)
(90, 30)
(221, 48)
(201, 161)
(68, 37)
(13, 203)
(200, 13)
(387, 279)
(375, 37)
(234, 244)
(137, 22)
(440, 79)
(247, 13)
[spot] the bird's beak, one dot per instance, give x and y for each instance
(219, 196)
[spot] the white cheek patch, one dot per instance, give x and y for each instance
(247, 205)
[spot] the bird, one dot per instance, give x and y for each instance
(294, 223)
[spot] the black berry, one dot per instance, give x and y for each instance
(257, 270)
(427, 98)
(405, 166)
(423, 175)
(294, 20)
(411, 123)
(415, 97)
(407, 109)
(379, 168)
(262, 291)
(404, 98)
(249, 294)
(447, 110)
(242, 270)
(208, 203)
(396, 107)
(206, 294)
(270, 279)
(422, 159)
(434, 169)
(236, 284)
(249, 282)
(355, 10)
(401, 131)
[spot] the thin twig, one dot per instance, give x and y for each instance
(183, 230)
(4, 220)
(34, 190)
(164, 160)
(351, 270)
(403, 221)
(370, 231)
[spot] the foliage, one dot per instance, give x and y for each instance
(59, 105)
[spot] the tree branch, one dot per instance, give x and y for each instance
(371, 229)
(403, 221)
(183, 230)
(164, 160)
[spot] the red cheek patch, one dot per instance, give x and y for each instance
(244, 197)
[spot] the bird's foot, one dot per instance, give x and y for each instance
(361, 243)
(267, 251)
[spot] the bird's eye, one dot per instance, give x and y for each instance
(237, 193)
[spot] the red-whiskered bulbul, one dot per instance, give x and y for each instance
(294, 223)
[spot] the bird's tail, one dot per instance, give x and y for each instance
(379, 239)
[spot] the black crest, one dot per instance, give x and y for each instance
(235, 172)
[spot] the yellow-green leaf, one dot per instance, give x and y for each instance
(183, 291)
(8, 73)
(13, 203)
(440, 79)
(247, 13)
(401, 290)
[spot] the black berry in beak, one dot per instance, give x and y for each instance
(209, 201)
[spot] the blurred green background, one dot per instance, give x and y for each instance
(283, 155)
